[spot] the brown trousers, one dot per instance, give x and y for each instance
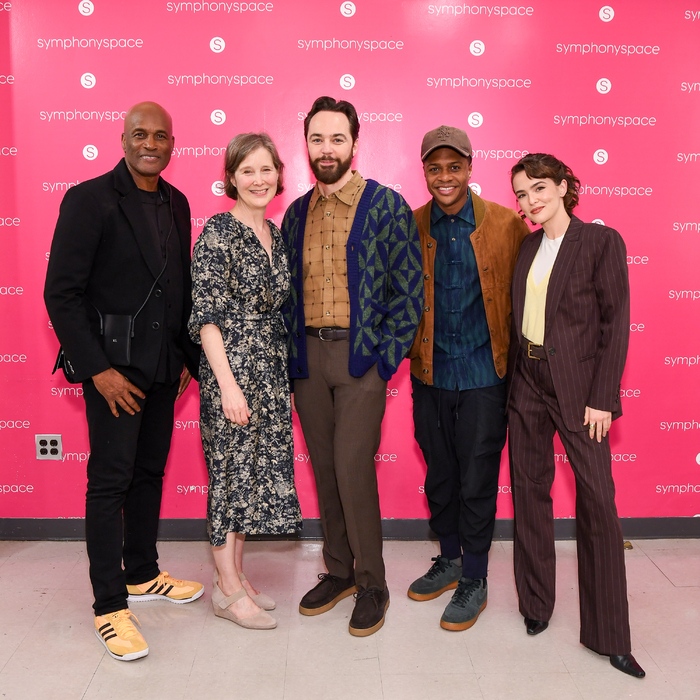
(533, 418)
(341, 417)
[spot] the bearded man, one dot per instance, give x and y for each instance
(354, 307)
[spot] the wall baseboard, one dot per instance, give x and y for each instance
(189, 530)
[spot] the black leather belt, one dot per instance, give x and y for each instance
(534, 352)
(328, 333)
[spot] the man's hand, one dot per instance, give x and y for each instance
(185, 379)
(597, 422)
(117, 389)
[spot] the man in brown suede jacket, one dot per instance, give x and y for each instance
(458, 367)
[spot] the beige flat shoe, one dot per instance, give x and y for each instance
(260, 599)
(260, 621)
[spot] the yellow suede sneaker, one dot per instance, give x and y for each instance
(120, 638)
(165, 587)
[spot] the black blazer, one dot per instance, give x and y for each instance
(587, 318)
(104, 256)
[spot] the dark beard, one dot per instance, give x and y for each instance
(329, 176)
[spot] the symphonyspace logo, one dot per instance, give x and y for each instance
(91, 43)
(226, 80)
(486, 83)
(603, 120)
(685, 294)
(351, 44)
(616, 191)
(227, 7)
(688, 157)
(198, 151)
(692, 15)
(499, 154)
(371, 117)
(71, 115)
(480, 10)
(609, 49)
(58, 186)
(693, 226)
(690, 87)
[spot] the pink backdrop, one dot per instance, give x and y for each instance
(614, 90)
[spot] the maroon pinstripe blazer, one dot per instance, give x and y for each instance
(587, 318)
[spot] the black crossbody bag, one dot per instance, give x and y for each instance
(116, 330)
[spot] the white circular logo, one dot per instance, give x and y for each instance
(697, 459)
(600, 156)
(218, 117)
(217, 188)
(477, 47)
(90, 152)
(476, 188)
(599, 221)
(348, 9)
(606, 13)
(85, 7)
(217, 44)
(475, 119)
(603, 86)
(347, 81)
(88, 80)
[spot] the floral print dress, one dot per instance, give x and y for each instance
(251, 467)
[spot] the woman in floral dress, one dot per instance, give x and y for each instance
(240, 280)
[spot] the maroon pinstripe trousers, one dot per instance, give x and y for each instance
(533, 418)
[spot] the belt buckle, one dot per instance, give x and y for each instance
(529, 351)
(320, 334)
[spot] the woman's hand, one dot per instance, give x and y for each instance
(234, 404)
(598, 422)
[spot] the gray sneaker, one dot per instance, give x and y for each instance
(442, 576)
(466, 605)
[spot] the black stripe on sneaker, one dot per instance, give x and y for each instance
(170, 588)
(107, 631)
(152, 587)
(108, 624)
(111, 636)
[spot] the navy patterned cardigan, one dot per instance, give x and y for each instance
(385, 282)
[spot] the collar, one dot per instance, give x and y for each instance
(124, 182)
(346, 194)
(466, 213)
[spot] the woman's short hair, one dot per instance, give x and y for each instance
(540, 165)
(239, 148)
(329, 104)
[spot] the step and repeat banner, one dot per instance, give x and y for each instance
(612, 89)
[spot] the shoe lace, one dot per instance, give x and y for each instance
(165, 577)
(123, 625)
(365, 593)
(439, 567)
(466, 588)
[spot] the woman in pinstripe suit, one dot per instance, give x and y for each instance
(569, 338)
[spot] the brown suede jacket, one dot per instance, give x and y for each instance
(496, 241)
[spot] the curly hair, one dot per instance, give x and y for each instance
(544, 165)
(239, 148)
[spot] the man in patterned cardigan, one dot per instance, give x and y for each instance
(355, 304)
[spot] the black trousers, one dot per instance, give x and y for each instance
(533, 418)
(125, 482)
(462, 435)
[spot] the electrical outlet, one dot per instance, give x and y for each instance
(49, 447)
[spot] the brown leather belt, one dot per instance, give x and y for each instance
(534, 352)
(328, 333)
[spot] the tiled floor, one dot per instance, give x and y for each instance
(48, 650)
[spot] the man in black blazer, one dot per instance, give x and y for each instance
(118, 295)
